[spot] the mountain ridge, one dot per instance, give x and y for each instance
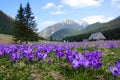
(88, 29)
(6, 23)
(68, 23)
(111, 30)
(68, 26)
(64, 32)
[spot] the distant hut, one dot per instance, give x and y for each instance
(97, 36)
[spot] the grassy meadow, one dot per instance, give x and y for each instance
(55, 66)
(5, 39)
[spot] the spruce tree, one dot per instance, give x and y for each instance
(31, 24)
(25, 25)
(19, 27)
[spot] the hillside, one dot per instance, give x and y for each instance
(115, 23)
(58, 30)
(5, 39)
(111, 30)
(65, 32)
(62, 25)
(6, 23)
(92, 27)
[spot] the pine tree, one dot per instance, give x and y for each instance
(31, 24)
(25, 25)
(19, 27)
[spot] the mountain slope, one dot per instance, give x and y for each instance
(84, 24)
(6, 23)
(6, 39)
(111, 30)
(115, 23)
(91, 27)
(64, 32)
(62, 25)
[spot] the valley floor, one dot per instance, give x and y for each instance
(59, 61)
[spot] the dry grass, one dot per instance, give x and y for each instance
(5, 39)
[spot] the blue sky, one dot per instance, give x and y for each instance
(49, 12)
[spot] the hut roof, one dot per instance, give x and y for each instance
(96, 36)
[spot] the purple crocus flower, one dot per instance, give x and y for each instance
(69, 57)
(112, 45)
(40, 56)
(78, 56)
(42, 52)
(30, 57)
(97, 46)
(49, 61)
(86, 63)
(27, 52)
(15, 57)
(75, 64)
(96, 64)
(117, 64)
(60, 54)
(116, 69)
(1, 53)
(93, 59)
(45, 55)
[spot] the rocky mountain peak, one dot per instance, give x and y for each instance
(83, 23)
(68, 21)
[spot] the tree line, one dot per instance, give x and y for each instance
(112, 34)
(110, 30)
(25, 29)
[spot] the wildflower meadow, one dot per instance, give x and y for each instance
(96, 60)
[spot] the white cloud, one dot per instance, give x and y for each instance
(58, 12)
(48, 23)
(97, 18)
(116, 3)
(52, 5)
(59, 6)
(82, 3)
(49, 5)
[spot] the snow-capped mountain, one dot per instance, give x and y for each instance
(68, 23)
(84, 24)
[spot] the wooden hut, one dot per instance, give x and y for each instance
(97, 36)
